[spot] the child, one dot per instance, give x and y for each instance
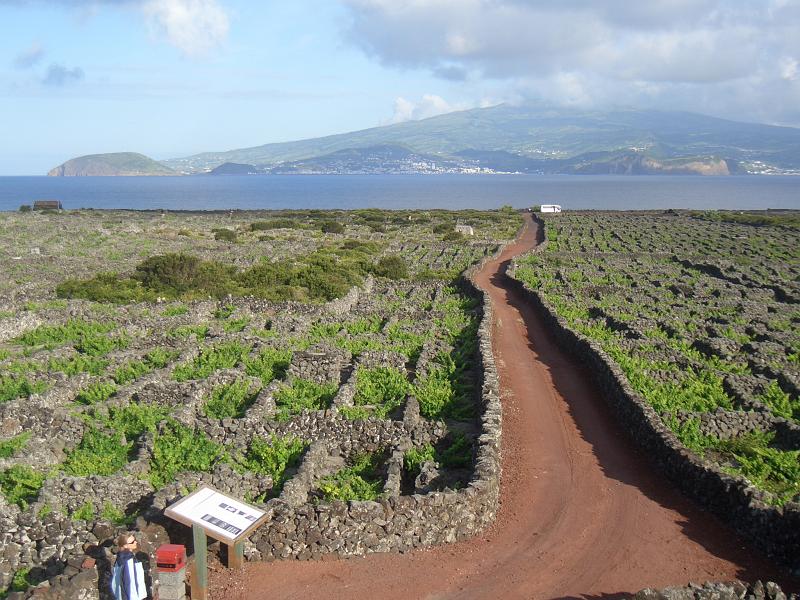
(127, 575)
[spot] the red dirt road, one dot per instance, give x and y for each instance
(583, 514)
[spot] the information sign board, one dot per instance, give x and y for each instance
(222, 517)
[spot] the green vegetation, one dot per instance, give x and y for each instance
(80, 363)
(20, 485)
(12, 446)
(361, 481)
(230, 400)
(273, 457)
(391, 267)
(73, 331)
(458, 453)
(303, 395)
(269, 364)
(445, 390)
(96, 393)
(115, 516)
(225, 235)
(85, 512)
(97, 454)
(414, 458)
(210, 359)
(383, 388)
(15, 386)
(157, 358)
(780, 403)
(176, 310)
(323, 275)
(751, 455)
(177, 448)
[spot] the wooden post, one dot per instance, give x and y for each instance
(200, 578)
(236, 555)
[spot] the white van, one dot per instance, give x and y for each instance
(551, 208)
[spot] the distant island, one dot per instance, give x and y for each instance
(117, 163)
(501, 139)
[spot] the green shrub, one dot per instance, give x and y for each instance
(134, 419)
(173, 275)
(780, 403)
(384, 388)
(14, 386)
(224, 235)
(97, 454)
(354, 413)
(115, 516)
(453, 236)
(20, 485)
(269, 364)
(443, 227)
(186, 331)
(24, 579)
(24, 208)
(273, 458)
(361, 481)
(332, 227)
(95, 393)
(53, 336)
(105, 287)
(275, 224)
(303, 395)
(80, 363)
(177, 448)
(157, 358)
(458, 453)
(210, 359)
(230, 400)
(175, 310)
(11, 446)
(83, 513)
(392, 266)
(414, 458)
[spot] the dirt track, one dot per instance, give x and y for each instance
(583, 514)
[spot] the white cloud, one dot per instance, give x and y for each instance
(729, 57)
(429, 105)
(192, 26)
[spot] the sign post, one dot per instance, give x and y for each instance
(200, 573)
(212, 513)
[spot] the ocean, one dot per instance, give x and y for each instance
(453, 192)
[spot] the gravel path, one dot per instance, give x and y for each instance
(583, 514)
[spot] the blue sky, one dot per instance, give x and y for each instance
(170, 78)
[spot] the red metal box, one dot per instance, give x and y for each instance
(170, 557)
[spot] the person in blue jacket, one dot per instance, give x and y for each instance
(127, 575)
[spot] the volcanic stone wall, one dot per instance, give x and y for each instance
(304, 530)
(774, 529)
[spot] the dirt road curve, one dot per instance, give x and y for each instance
(583, 514)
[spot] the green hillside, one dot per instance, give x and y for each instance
(548, 136)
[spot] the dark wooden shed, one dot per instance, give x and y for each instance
(47, 205)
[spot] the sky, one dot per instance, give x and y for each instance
(170, 78)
